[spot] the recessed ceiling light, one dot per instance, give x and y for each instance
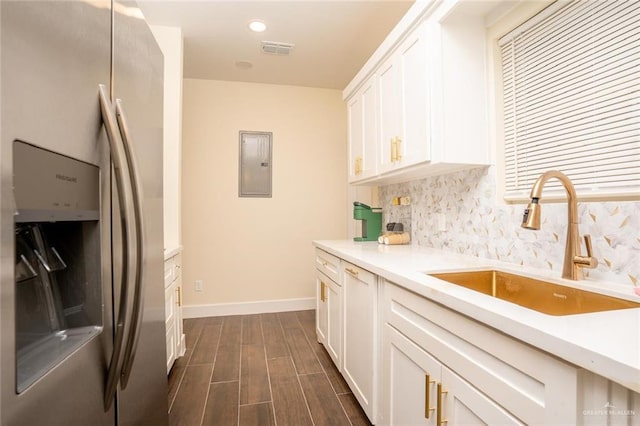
(257, 26)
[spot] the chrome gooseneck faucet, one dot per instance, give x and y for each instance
(573, 260)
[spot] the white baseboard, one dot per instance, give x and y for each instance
(245, 308)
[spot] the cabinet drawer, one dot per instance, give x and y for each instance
(169, 271)
(359, 273)
(536, 387)
(329, 265)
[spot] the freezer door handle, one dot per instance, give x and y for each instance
(125, 199)
(138, 295)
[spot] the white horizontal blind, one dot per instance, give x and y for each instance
(571, 78)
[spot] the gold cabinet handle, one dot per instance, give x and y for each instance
(179, 296)
(323, 297)
(427, 386)
(324, 263)
(439, 419)
(398, 149)
(358, 165)
(394, 149)
(352, 272)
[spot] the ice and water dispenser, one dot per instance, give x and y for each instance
(58, 291)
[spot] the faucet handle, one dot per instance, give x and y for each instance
(587, 261)
(587, 243)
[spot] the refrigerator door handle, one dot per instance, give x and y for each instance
(128, 231)
(138, 301)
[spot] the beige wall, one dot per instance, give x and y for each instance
(248, 249)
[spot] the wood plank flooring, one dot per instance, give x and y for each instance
(264, 369)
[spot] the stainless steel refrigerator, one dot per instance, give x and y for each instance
(81, 243)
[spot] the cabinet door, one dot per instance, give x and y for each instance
(462, 404)
(181, 344)
(329, 316)
(403, 86)
(414, 143)
(360, 287)
(321, 308)
(369, 128)
(410, 390)
(170, 324)
(363, 134)
(389, 107)
(356, 153)
(409, 377)
(333, 296)
(180, 337)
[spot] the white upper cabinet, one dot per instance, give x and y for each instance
(390, 114)
(431, 96)
(363, 132)
(403, 104)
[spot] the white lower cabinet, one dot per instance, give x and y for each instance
(329, 311)
(419, 390)
(170, 309)
(360, 288)
(329, 316)
(410, 361)
(488, 377)
(175, 338)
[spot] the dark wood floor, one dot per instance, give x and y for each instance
(265, 369)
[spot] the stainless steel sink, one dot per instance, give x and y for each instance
(541, 296)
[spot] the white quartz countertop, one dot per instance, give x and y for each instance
(606, 343)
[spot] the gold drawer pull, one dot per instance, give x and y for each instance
(439, 419)
(179, 298)
(351, 271)
(323, 296)
(427, 386)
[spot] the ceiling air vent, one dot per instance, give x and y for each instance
(276, 48)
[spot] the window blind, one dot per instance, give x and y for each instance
(571, 81)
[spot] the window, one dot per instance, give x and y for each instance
(571, 80)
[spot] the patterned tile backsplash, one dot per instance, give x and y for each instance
(478, 224)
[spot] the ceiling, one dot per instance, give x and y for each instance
(333, 38)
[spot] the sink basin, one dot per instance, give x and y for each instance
(541, 296)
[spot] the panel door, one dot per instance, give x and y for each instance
(359, 287)
(333, 294)
(415, 144)
(180, 338)
(390, 110)
(356, 151)
(363, 132)
(369, 128)
(409, 377)
(170, 324)
(322, 307)
(465, 405)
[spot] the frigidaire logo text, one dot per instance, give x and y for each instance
(67, 178)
